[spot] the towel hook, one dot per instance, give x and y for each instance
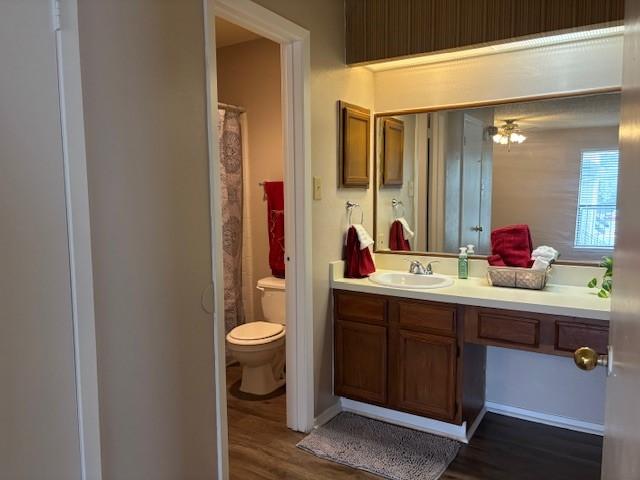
(350, 206)
(395, 203)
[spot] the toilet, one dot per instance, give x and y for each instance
(259, 346)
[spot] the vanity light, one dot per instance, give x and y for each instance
(508, 133)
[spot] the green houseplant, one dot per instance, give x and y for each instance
(607, 279)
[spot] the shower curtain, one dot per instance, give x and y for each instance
(230, 141)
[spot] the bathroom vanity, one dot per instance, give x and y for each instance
(423, 352)
(445, 177)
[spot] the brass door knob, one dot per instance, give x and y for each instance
(587, 358)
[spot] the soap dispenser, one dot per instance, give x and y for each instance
(463, 263)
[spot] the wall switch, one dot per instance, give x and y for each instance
(317, 188)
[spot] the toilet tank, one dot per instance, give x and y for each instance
(273, 299)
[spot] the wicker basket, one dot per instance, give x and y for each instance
(515, 277)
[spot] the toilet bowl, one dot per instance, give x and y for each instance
(259, 346)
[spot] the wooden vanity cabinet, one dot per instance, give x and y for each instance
(535, 332)
(423, 374)
(405, 355)
(423, 359)
(360, 347)
(429, 358)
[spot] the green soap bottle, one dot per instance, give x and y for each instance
(463, 263)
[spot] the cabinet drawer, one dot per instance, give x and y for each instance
(570, 336)
(427, 317)
(507, 329)
(360, 307)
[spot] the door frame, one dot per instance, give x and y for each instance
(295, 71)
(67, 39)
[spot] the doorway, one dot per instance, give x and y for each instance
(293, 44)
(251, 199)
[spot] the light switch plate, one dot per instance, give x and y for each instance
(317, 188)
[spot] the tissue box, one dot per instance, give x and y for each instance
(515, 277)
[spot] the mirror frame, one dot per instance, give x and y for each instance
(463, 106)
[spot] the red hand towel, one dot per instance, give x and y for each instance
(275, 222)
(358, 262)
(511, 246)
(396, 238)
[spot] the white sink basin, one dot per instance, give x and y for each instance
(410, 280)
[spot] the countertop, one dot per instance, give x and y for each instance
(565, 300)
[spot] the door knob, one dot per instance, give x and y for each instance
(477, 228)
(587, 358)
(206, 299)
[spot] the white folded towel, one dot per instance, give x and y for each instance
(543, 256)
(540, 264)
(408, 233)
(363, 236)
(546, 252)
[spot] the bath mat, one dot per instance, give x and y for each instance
(393, 452)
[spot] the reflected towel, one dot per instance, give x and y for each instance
(397, 241)
(408, 233)
(511, 246)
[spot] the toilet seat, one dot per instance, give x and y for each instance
(256, 333)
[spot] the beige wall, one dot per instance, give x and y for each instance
(143, 74)
(38, 408)
(331, 81)
(249, 76)
(537, 183)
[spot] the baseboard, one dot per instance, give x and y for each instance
(457, 432)
(327, 415)
(547, 419)
(476, 423)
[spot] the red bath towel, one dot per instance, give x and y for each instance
(511, 246)
(358, 262)
(396, 238)
(275, 222)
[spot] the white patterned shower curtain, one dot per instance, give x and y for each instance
(230, 141)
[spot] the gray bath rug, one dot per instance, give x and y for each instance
(393, 452)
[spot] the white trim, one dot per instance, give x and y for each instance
(220, 380)
(251, 16)
(295, 64)
(449, 430)
(327, 415)
(79, 232)
(546, 418)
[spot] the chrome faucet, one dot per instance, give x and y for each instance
(418, 268)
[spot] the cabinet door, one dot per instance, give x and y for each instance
(361, 361)
(425, 375)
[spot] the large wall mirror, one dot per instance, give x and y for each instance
(446, 179)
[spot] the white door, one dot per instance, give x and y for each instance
(38, 421)
(621, 459)
(143, 80)
(471, 190)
